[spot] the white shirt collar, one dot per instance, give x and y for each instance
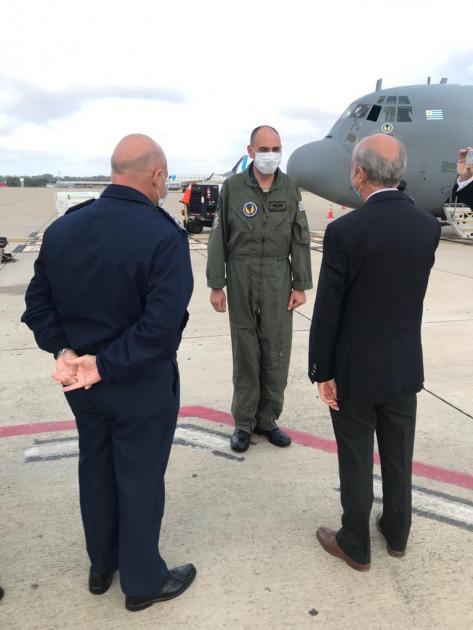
(464, 184)
(380, 191)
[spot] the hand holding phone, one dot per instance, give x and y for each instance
(465, 163)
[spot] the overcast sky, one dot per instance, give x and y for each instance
(199, 75)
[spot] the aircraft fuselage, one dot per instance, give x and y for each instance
(432, 121)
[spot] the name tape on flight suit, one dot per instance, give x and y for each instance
(277, 206)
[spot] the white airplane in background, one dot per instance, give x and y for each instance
(176, 182)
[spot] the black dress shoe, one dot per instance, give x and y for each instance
(240, 441)
(1, 592)
(178, 581)
(99, 583)
(275, 436)
(395, 553)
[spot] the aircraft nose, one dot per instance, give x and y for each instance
(323, 168)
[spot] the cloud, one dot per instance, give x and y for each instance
(310, 114)
(24, 162)
(459, 67)
(27, 103)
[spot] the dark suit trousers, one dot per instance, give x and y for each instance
(354, 426)
(125, 437)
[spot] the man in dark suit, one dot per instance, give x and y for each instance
(109, 299)
(365, 345)
(463, 189)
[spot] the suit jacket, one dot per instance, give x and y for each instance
(366, 328)
(465, 195)
(113, 278)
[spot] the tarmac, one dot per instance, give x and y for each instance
(247, 522)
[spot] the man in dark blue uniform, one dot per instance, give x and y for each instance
(109, 299)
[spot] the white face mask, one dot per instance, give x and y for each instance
(162, 199)
(267, 162)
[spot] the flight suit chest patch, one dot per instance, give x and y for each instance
(250, 209)
(277, 206)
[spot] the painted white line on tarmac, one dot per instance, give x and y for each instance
(429, 503)
(53, 450)
(439, 506)
(69, 448)
(202, 438)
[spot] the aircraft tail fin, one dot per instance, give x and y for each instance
(239, 167)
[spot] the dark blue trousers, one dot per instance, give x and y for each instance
(125, 437)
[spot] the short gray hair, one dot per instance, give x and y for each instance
(379, 169)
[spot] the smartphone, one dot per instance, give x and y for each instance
(469, 158)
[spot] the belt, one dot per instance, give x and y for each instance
(258, 256)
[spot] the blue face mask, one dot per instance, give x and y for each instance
(357, 190)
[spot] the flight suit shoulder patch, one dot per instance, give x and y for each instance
(277, 206)
(301, 206)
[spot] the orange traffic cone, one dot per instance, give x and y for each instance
(330, 212)
(186, 197)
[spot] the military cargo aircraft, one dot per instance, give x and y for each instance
(432, 121)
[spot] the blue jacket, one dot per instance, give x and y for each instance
(113, 278)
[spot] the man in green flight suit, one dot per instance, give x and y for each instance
(259, 249)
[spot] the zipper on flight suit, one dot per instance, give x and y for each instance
(265, 216)
(264, 204)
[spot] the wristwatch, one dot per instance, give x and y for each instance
(61, 352)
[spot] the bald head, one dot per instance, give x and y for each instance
(265, 134)
(137, 153)
(137, 162)
(382, 158)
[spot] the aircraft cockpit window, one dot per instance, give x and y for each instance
(391, 99)
(404, 114)
(381, 99)
(374, 113)
(360, 111)
(389, 114)
(404, 100)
